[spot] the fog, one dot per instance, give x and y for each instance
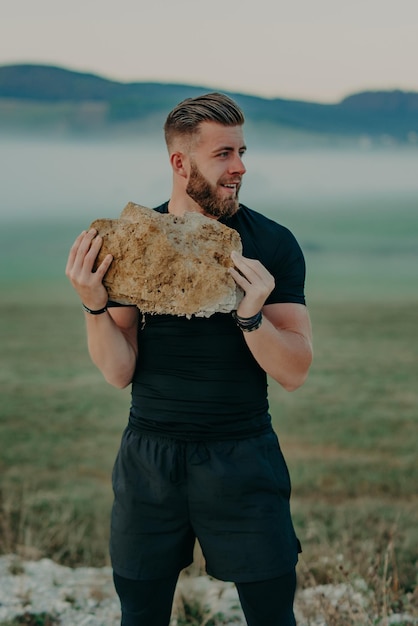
(52, 178)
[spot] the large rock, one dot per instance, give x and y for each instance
(168, 264)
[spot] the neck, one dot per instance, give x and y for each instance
(180, 203)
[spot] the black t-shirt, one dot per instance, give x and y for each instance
(196, 377)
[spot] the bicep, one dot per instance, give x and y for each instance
(126, 319)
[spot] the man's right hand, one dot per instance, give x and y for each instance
(79, 270)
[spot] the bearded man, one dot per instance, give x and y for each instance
(199, 458)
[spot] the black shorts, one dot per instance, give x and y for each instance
(232, 495)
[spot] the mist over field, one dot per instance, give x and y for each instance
(89, 179)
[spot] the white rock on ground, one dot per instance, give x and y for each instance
(86, 597)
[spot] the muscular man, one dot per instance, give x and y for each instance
(199, 458)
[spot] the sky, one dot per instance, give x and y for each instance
(317, 50)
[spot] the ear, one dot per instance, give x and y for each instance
(179, 163)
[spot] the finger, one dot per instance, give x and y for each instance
(243, 262)
(87, 241)
(94, 248)
(252, 269)
(103, 267)
(87, 251)
(253, 285)
(73, 252)
(239, 278)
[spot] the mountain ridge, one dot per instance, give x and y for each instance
(23, 87)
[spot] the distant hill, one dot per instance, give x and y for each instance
(40, 97)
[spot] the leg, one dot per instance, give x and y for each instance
(145, 602)
(269, 602)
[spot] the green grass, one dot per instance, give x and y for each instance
(349, 434)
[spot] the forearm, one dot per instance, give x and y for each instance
(111, 337)
(110, 349)
(284, 354)
(282, 344)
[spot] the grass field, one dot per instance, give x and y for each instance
(349, 435)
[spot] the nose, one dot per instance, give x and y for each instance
(237, 166)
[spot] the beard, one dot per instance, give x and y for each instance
(208, 197)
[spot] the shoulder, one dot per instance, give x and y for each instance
(263, 235)
(258, 224)
(275, 246)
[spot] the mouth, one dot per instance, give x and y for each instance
(231, 187)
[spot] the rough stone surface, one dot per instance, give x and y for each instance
(168, 264)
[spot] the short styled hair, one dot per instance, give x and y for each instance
(184, 120)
